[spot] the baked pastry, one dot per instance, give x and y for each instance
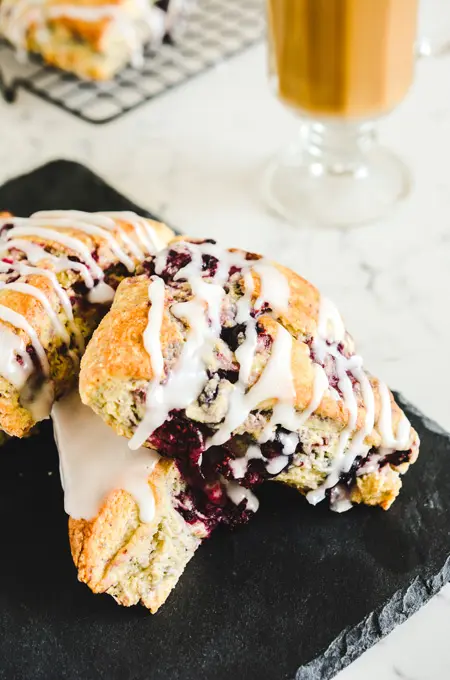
(136, 562)
(92, 38)
(58, 274)
(241, 371)
(129, 532)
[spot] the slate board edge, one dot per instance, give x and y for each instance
(353, 642)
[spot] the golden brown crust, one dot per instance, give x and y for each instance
(132, 561)
(380, 488)
(94, 49)
(15, 417)
(116, 351)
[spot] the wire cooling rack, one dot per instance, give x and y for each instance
(216, 30)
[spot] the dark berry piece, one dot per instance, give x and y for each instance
(209, 264)
(233, 336)
(175, 261)
(397, 458)
(231, 375)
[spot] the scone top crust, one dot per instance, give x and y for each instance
(91, 19)
(86, 18)
(58, 274)
(287, 331)
(92, 38)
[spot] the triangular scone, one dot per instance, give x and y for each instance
(238, 368)
(58, 274)
(118, 554)
(93, 39)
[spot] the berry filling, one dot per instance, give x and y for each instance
(207, 472)
(175, 261)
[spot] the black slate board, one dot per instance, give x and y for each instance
(298, 593)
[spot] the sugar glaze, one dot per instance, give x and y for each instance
(132, 21)
(52, 226)
(187, 378)
(94, 461)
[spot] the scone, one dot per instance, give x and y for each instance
(241, 371)
(58, 274)
(131, 526)
(136, 562)
(92, 38)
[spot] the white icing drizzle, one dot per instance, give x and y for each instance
(372, 463)
(275, 382)
(186, 381)
(94, 461)
(245, 353)
(289, 441)
(64, 299)
(134, 21)
(39, 402)
(32, 291)
(238, 493)
(389, 439)
(97, 219)
(102, 294)
(46, 225)
(340, 499)
(13, 346)
(153, 330)
(91, 230)
(275, 465)
(330, 326)
(60, 263)
(284, 414)
(18, 321)
(65, 240)
(239, 465)
(202, 314)
(146, 234)
(274, 286)
(331, 332)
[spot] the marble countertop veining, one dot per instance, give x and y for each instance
(195, 156)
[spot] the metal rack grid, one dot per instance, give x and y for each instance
(216, 30)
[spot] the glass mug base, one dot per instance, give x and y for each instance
(336, 175)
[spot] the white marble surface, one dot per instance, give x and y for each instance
(195, 157)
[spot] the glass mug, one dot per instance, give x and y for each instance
(340, 65)
(434, 28)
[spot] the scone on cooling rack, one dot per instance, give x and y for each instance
(241, 371)
(58, 274)
(92, 38)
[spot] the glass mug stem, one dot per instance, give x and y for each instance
(335, 174)
(343, 64)
(337, 148)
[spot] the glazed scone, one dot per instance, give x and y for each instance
(132, 527)
(58, 274)
(240, 370)
(137, 562)
(92, 38)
